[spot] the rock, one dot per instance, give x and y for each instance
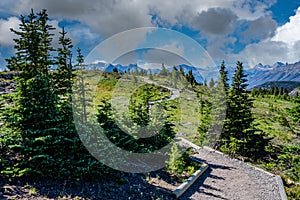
(295, 92)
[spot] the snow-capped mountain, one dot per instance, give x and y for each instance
(103, 66)
(277, 72)
(257, 75)
(109, 68)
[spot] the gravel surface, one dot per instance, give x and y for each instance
(229, 178)
(126, 186)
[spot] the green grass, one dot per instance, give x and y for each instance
(271, 116)
(183, 111)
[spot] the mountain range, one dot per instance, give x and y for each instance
(257, 75)
(260, 74)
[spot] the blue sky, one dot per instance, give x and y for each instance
(261, 31)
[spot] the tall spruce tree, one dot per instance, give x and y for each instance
(211, 83)
(34, 114)
(64, 74)
(240, 135)
(239, 103)
(219, 107)
(81, 88)
(190, 78)
(203, 138)
(223, 81)
(164, 71)
(63, 80)
(33, 45)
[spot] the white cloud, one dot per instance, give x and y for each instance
(252, 10)
(173, 48)
(216, 21)
(266, 52)
(79, 32)
(150, 65)
(54, 24)
(118, 45)
(5, 6)
(170, 54)
(127, 58)
(260, 29)
(283, 46)
(269, 52)
(102, 18)
(217, 46)
(110, 17)
(289, 32)
(98, 61)
(6, 36)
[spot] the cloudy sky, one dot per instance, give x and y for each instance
(252, 31)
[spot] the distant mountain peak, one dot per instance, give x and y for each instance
(278, 64)
(267, 67)
(259, 75)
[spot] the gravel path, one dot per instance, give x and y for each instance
(229, 178)
(175, 92)
(226, 178)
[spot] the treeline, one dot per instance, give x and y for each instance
(175, 74)
(275, 91)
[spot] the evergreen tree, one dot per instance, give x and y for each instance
(32, 45)
(81, 87)
(211, 83)
(271, 90)
(139, 107)
(164, 71)
(223, 82)
(64, 79)
(276, 91)
(135, 70)
(204, 122)
(64, 75)
(35, 102)
(281, 91)
(219, 106)
(241, 137)
(240, 103)
(181, 71)
(190, 78)
(150, 75)
(175, 75)
(115, 70)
